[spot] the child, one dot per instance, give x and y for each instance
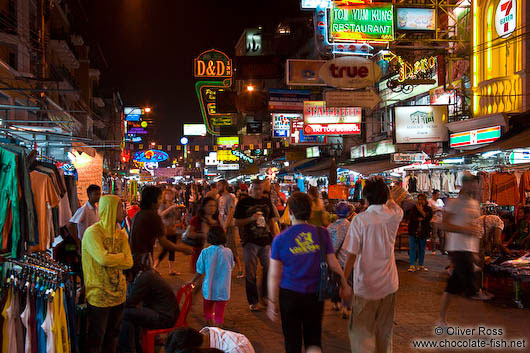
(216, 263)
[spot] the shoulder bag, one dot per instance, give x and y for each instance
(330, 282)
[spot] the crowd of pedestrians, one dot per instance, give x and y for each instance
(290, 239)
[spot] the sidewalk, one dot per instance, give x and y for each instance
(418, 304)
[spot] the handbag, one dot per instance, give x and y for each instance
(193, 242)
(330, 281)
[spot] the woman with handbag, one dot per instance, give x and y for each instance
(195, 235)
(303, 272)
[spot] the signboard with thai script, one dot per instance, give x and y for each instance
(226, 167)
(409, 157)
(364, 99)
(281, 123)
(475, 137)
(370, 22)
(421, 123)
(287, 100)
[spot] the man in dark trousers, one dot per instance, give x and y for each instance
(151, 304)
(255, 216)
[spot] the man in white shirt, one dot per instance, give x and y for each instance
(437, 206)
(86, 215)
(208, 337)
(370, 244)
(463, 244)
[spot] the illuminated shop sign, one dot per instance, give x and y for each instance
(228, 141)
(316, 112)
(313, 4)
(213, 64)
(350, 72)
(416, 70)
(226, 156)
(281, 124)
(373, 22)
(506, 18)
(475, 137)
(226, 167)
(150, 156)
(519, 156)
(332, 129)
(420, 123)
(194, 130)
(312, 152)
(416, 19)
(299, 138)
(243, 157)
(137, 131)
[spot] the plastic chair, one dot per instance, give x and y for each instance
(148, 336)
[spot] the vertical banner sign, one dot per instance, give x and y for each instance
(216, 66)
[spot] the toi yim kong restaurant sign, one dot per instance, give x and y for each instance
(370, 22)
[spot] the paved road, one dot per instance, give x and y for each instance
(418, 304)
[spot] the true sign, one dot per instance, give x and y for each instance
(213, 64)
(370, 22)
(350, 72)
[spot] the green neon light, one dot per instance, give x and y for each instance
(198, 86)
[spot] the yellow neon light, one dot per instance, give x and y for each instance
(475, 43)
(490, 24)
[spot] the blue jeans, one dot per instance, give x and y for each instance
(416, 250)
(251, 254)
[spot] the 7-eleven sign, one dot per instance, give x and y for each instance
(506, 17)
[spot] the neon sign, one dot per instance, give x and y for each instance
(213, 64)
(150, 156)
(417, 70)
(475, 137)
(506, 18)
(374, 22)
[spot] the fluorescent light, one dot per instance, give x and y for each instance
(490, 154)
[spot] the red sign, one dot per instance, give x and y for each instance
(332, 129)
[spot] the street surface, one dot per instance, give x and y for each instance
(418, 304)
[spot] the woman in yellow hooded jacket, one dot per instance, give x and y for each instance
(105, 254)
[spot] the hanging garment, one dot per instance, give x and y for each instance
(412, 184)
(524, 186)
(44, 194)
(504, 191)
(5, 325)
(484, 185)
(9, 189)
(47, 327)
(65, 212)
(25, 316)
(436, 181)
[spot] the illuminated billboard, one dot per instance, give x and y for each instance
(194, 130)
(371, 22)
(227, 141)
(316, 112)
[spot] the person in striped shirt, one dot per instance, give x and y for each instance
(209, 337)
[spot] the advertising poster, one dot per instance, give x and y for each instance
(415, 19)
(304, 72)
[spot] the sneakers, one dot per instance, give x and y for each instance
(423, 268)
(411, 269)
(253, 307)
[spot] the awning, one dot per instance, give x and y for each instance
(296, 166)
(319, 169)
(477, 123)
(513, 139)
(371, 165)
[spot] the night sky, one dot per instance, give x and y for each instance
(149, 46)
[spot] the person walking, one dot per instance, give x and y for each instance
(147, 226)
(419, 231)
(437, 205)
(463, 244)
(172, 220)
(338, 231)
(227, 206)
(215, 263)
(105, 254)
(294, 276)
(196, 233)
(370, 246)
(319, 215)
(255, 217)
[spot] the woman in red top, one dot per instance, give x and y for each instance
(200, 224)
